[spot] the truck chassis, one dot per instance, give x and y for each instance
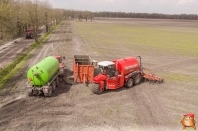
(47, 90)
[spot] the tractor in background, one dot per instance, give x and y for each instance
(29, 33)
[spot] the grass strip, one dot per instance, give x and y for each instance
(9, 71)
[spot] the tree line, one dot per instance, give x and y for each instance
(78, 15)
(16, 16)
(74, 14)
(145, 15)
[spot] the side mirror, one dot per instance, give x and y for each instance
(94, 63)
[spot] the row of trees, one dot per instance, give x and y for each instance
(16, 16)
(78, 15)
(145, 15)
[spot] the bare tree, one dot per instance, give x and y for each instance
(6, 18)
(46, 12)
(16, 16)
(31, 10)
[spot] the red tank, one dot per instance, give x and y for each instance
(118, 73)
(127, 65)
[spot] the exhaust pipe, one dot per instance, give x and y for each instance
(141, 68)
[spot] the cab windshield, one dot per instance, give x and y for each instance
(107, 70)
(103, 69)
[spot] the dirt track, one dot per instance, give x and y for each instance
(143, 107)
(11, 50)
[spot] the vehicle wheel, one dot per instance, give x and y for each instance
(49, 92)
(129, 83)
(57, 81)
(54, 85)
(138, 79)
(96, 89)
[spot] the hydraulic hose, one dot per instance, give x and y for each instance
(74, 80)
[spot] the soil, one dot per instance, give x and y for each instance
(144, 107)
(11, 50)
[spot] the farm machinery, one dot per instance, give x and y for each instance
(29, 33)
(122, 72)
(43, 78)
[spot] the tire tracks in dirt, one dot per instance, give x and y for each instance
(143, 107)
(179, 64)
(30, 110)
(11, 88)
(151, 113)
(10, 51)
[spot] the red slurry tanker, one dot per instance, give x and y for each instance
(118, 73)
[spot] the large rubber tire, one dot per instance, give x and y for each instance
(129, 83)
(96, 89)
(49, 94)
(138, 79)
(54, 85)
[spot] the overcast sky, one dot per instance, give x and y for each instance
(137, 6)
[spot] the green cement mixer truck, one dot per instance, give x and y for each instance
(43, 78)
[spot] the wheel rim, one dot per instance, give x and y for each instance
(130, 82)
(137, 78)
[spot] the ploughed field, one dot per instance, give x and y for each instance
(168, 49)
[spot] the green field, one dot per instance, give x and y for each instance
(166, 39)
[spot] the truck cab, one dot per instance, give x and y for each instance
(61, 64)
(107, 68)
(107, 79)
(116, 74)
